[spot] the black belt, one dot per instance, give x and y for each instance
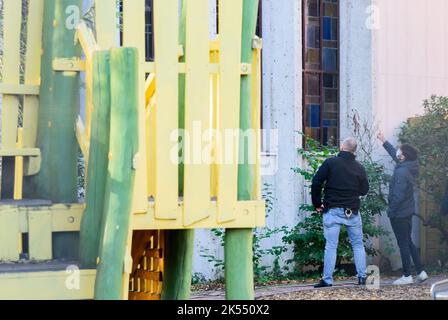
(349, 212)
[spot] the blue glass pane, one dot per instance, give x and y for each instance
(330, 123)
(327, 28)
(315, 116)
(330, 57)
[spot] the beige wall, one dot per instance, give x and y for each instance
(410, 58)
(410, 53)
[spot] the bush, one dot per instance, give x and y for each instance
(308, 237)
(429, 134)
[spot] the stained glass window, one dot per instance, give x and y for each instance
(321, 69)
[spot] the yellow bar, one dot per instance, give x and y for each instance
(19, 89)
(214, 58)
(18, 169)
(230, 26)
(40, 234)
(106, 23)
(150, 88)
(166, 27)
(249, 214)
(32, 71)
(48, 285)
(9, 235)
(134, 36)
(256, 112)
(12, 16)
(197, 113)
(22, 152)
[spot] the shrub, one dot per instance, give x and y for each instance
(429, 134)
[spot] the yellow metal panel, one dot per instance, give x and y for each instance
(249, 214)
(256, 116)
(134, 36)
(230, 27)
(57, 285)
(9, 234)
(18, 169)
(166, 32)
(12, 15)
(106, 23)
(39, 230)
(197, 113)
(32, 71)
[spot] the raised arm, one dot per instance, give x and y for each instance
(389, 147)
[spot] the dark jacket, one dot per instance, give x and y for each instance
(402, 186)
(344, 180)
(444, 210)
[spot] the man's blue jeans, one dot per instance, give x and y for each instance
(333, 220)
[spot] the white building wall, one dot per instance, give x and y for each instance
(282, 98)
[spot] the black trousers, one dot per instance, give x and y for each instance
(403, 232)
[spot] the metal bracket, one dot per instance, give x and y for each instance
(257, 43)
(70, 65)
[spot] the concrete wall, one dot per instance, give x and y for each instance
(282, 97)
(355, 63)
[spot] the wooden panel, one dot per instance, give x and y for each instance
(40, 234)
(106, 23)
(256, 117)
(47, 285)
(149, 275)
(230, 26)
(249, 214)
(197, 113)
(166, 36)
(214, 78)
(12, 15)
(32, 71)
(18, 168)
(134, 36)
(9, 234)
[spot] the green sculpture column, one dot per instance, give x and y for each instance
(121, 173)
(238, 242)
(58, 109)
(179, 244)
(98, 161)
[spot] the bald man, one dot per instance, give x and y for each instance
(344, 181)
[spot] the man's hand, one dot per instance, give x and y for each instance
(320, 209)
(381, 137)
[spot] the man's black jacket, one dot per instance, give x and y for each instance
(402, 186)
(344, 180)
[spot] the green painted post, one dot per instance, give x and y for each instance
(58, 109)
(179, 244)
(121, 173)
(98, 161)
(178, 265)
(238, 242)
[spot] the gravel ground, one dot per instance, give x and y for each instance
(414, 292)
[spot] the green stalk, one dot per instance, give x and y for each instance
(238, 242)
(119, 189)
(98, 161)
(58, 110)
